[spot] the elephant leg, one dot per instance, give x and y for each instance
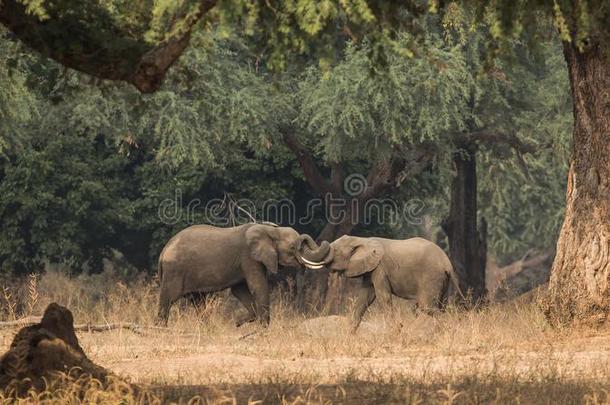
(383, 290)
(241, 292)
(198, 299)
(428, 302)
(300, 286)
(165, 303)
(364, 298)
(256, 279)
(429, 298)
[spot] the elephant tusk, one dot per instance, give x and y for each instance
(314, 267)
(310, 262)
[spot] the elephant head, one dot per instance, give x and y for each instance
(355, 256)
(272, 245)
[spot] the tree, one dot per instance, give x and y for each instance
(522, 196)
(579, 284)
(492, 89)
(92, 167)
(380, 126)
(579, 287)
(131, 41)
(137, 42)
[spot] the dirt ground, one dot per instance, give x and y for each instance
(224, 367)
(495, 354)
(243, 355)
(304, 366)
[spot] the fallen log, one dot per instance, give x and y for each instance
(86, 327)
(18, 323)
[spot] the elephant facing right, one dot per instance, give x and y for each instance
(412, 269)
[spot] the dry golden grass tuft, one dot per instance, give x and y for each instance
(499, 353)
(84, 389)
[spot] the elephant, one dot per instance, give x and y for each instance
(412, 268)
(202, 259)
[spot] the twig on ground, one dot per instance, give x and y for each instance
(87, 327)
(247, 335)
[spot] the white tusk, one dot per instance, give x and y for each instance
(314, 267)
(310, 262)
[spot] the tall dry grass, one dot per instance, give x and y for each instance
(456, 356)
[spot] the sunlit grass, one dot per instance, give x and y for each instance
(495, 353)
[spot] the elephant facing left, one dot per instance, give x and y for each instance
(204, 258)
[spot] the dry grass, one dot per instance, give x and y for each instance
(494, 354)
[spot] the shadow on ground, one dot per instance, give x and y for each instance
(364, 392)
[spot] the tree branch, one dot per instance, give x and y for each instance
(496, 275)
(415, 161)
(337, 176)
(312, 174)
(378, 179)
(388, 173)
(511, 140)
(87, 327)
(85, 37)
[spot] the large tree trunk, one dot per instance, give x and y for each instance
(579, 288)
(467, 245)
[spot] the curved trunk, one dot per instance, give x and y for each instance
(310, 251)
(579, 288)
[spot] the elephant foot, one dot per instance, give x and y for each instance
(245, 319)
(161, 320)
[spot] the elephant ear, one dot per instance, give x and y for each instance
(366, 258)
(262, 246)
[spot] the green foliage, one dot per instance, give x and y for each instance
(523, 197)
(351, 110)
(215, 95)
(98, 160)
(450, 91)
(580, 22)
(296, 27)
(17, 104)
(35, 7)
(124, 30)
(62, 200)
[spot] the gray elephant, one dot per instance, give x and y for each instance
(413, 269)
(203, 258)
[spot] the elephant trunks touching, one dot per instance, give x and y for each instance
(310, 254)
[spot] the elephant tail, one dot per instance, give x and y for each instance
(455, 283)
(160, 268)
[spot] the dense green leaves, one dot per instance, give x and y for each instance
(352, 110)
(99, 158)
(523, 197)
(17, 104)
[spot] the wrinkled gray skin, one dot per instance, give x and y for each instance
(413, 269)
(203, 259)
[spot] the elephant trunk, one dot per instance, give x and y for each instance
(310, 254)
